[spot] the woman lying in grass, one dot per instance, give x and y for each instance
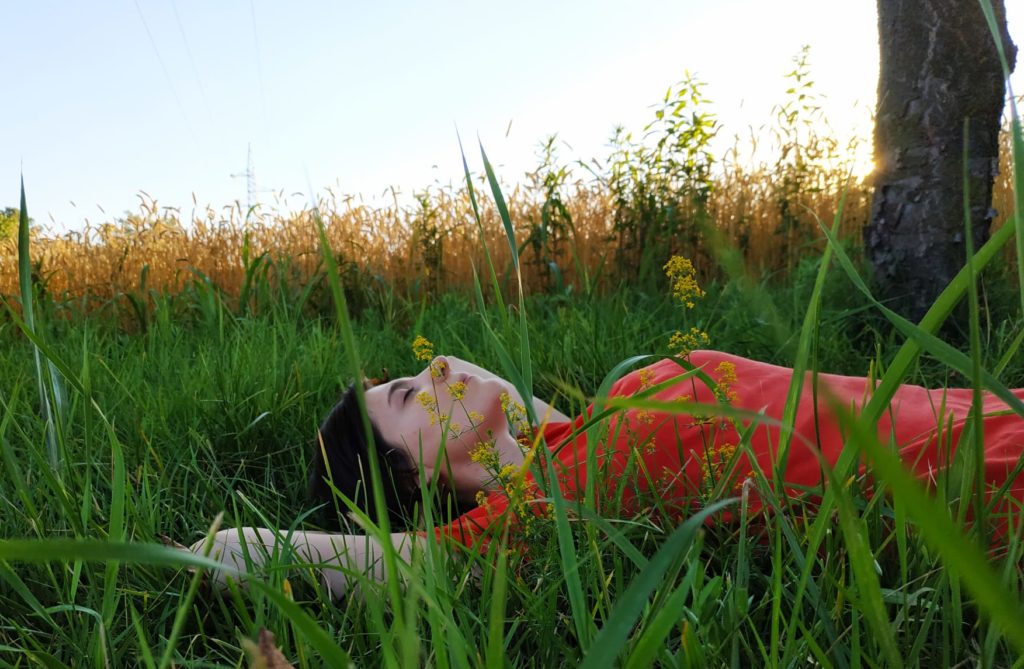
(465, 430)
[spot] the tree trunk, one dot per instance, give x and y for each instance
(938, 67)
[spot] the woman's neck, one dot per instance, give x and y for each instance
(509, 452)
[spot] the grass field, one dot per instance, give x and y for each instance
(143, 412)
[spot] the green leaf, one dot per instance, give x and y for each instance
(932, 519)
(95, 550)
(331, 654)
(612, 637)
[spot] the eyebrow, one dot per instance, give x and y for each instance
(393, 389)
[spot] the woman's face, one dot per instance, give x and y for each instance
(441, 415)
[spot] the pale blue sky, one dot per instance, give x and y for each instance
(106, 99)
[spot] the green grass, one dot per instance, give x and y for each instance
(113, 439)
(209, 411)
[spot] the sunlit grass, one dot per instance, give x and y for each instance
(565, 216)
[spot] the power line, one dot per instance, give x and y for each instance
(191, 60)
(167, 74)
(259, 65)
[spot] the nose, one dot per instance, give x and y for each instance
(440, 368)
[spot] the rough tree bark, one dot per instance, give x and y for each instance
(938, 67)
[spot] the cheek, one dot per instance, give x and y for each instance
(487, 403)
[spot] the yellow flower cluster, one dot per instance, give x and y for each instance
(646, 382)
(521, 497)
(422, 348)
(685, 343)
(457, 390)
(517, 418)
(437, 368)
(683, 278)
(724, 391)
(712, 464)
(485, 455)
(511, 480)
(429, 405)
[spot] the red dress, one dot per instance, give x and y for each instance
(679, 457)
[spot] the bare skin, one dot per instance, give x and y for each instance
(440, 416)
(471, 399)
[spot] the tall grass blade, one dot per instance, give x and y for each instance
(977, 444)
(96, 550)
(570, 561)
(922, 337)
(483, 239)
(1017, 142)
(965, 558)
(51, 392)
(808, 337)
(496, 629)
(526, 365)
(331, 654)
(869, 590)
(610, 640)
(506, 219)
(117, 526)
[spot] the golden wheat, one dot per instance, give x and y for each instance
(436, 245)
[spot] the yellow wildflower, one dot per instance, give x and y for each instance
(726, 378)
(485, 455)
(429, 405)
(422, 348)
(646, 382)
(437, 368)
(685, 343)
(426, 401)
(712, 464)
(646, 417)
(457, 390)
(516, 415)
(683, 279)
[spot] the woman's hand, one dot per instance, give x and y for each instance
(336, 557)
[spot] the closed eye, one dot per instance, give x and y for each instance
(405, 397)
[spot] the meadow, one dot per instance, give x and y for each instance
(168, 371)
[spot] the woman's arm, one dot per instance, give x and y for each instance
(543, 410)
(337, 555)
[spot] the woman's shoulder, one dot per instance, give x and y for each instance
(712, 363)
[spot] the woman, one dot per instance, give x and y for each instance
(464, 428)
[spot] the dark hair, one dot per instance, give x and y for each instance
(344, 462)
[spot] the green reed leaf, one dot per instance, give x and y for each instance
(612, 636)
(330, 653)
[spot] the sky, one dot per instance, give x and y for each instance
(107, 100)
